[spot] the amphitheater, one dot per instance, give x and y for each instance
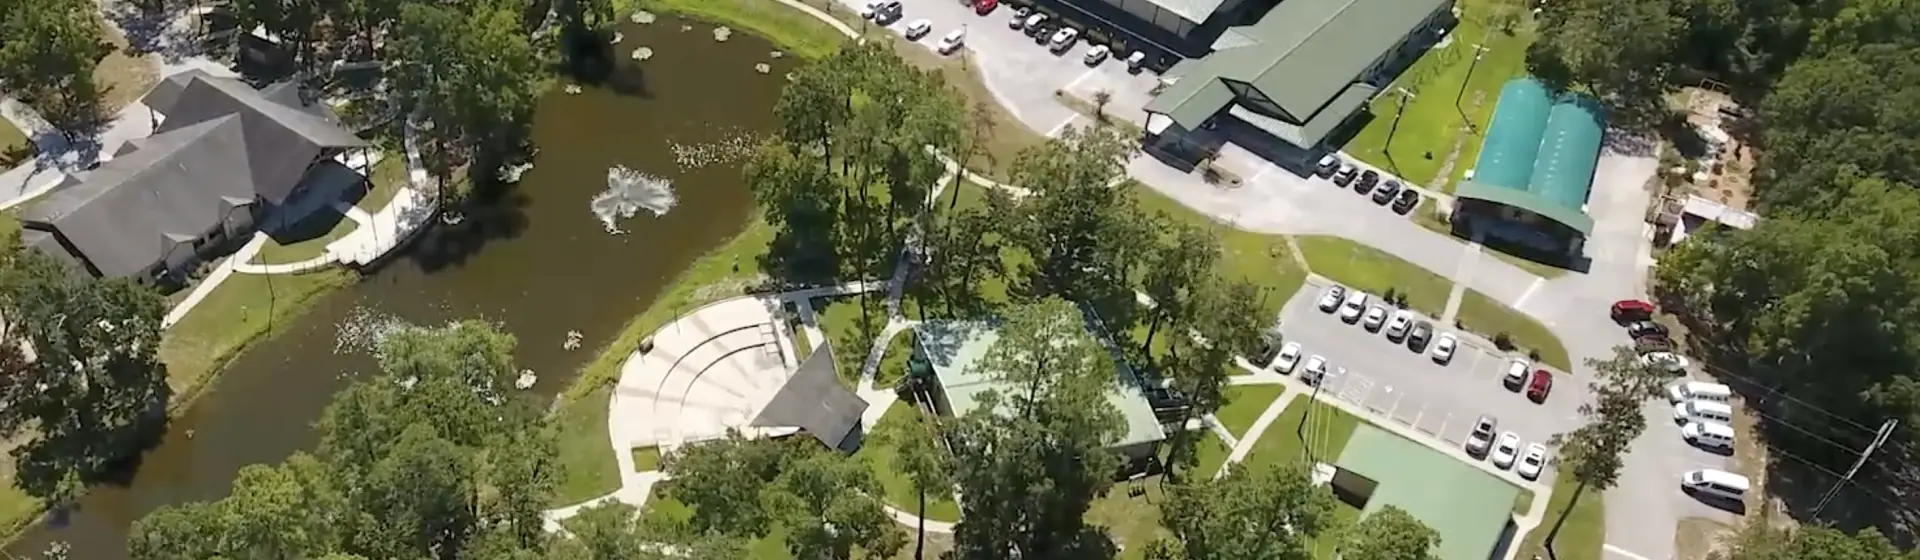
(727, 365)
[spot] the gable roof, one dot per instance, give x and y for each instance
(813, 400)
(171, 187)
(1306, 56)
(1539, 153)
(282, 135)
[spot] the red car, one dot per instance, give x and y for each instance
(983, 7)
(1541, 384)
(1632, 310)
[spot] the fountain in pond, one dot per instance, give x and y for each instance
(627, 193)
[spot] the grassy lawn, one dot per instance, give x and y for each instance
(587, 466)
(1130, 521)
(899, 489)
(1211, 453)
(122, 77)
(387, 178)
(893, 364)
(1374, 271)
(1481, 314)
(15, 147)
(1453, 98)
(305, 239)
(646, 458)
(1533, 267)
(1584, 533)
(1244, 405)
(850, 333)
(241, 310)
(1282, 443)
(1263, 260)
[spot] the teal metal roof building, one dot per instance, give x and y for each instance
(1537, 162)
(951, 352)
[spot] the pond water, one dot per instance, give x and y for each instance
(539, 264)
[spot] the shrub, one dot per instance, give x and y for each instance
(1503, 342)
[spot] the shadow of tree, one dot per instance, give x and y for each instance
(492, 212)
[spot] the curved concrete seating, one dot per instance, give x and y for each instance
(723, 395)
(638, 411)
(673, 389)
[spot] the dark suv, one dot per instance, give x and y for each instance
(1407, 200)
(1385, 193)
(1367, 180)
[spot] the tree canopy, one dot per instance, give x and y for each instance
(1210, 520)
(48, 51)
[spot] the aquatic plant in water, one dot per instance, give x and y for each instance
(763, 68)
(363, 329)
(642, 53)
(722, 33)
(627, 193)
(641, 17)
(737, 144)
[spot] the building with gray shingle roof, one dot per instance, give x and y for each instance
(222, 154)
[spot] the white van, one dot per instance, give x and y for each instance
(1716, 483)
(1703, 411)
(1699, 391)
(1708, 434)
(1351, 308)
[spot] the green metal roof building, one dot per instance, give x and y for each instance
(1535, 169)
(951, 350)
(1471, 509)
(1300, 72)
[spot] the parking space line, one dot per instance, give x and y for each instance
(1076, 81)
(1396, 400)
(1443, 424)
(1055, 132)
(1421, 414)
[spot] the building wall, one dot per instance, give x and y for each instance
(1154, 14)
(1391, 63)
(1518, 225)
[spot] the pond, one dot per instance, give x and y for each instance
(539, 264)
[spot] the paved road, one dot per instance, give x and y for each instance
(1409, 387)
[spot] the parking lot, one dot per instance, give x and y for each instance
(1025, 73)
(1410, 388)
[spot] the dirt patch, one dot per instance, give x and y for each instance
(1697, 538)
(1710, 158)
(123, 77)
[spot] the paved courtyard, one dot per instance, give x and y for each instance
(1408, 387)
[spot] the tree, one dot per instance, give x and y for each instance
(1591, 454)
(83, 387)
(1029, 462)
(966, 251)
(48, 52)
(470, 80)
(1249, 513)
(426, 459)
(920, 453)
(1621, 50)
(1390, 534)
(829, 507)
(1184, 259)
(1083, 231)
(1217, 325)
(721, 481)
(1758, 539)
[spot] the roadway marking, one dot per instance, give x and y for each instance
(1524, 296)
(1442, 432)
(1617, 551)
(1418, 415)
(1076, 81)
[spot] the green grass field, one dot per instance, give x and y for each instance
(1244, 405)
(899, 489)
(1374, 271)
(1481, 314)
(15, 147)
(1453, 98)
(1585, 530)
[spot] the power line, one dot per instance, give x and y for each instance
(1720, 372)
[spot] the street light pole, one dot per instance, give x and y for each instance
(1478, 52)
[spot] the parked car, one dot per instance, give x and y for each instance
(1481, 437)
(1097, 54)
(1506, 449)
(1407, 200)
(1368, 179)
(1020, 18)
(952, 41)
(1136, 61)
(1345, 175)
(1534, 459)
(1397, 326)
(1650, 344)
(1064, 39)
(872, 7)
(1516, 373)
(984, 7)
(1376, 316)
(1354, 304)
(888, 12)
(919, 28)
(1417, 339)
(1540, 386)
(1035, 23)
(1288, 359)
(1328, 165)
(1330, 299)
(1631, 310)
(1443, 348)
(1385, 193)
(1666, 361)
(1315, 370)
(1639, 329)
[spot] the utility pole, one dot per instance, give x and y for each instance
(1479, 51)
(1886, 429)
